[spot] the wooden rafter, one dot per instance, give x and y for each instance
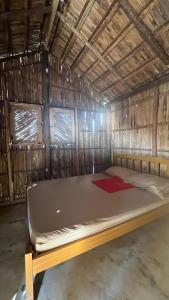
(140, 88)
(55, 4)
(138, 69)
(101, 77)
(83, 16)
(28, 5)
(58, 27)
(97, 54)
(8, 28)
(144, 31)
(118, 64)
(122, 61)
(21, 13)
(119, 37)
(128, 56)
(101, 26)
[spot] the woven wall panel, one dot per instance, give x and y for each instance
(62, 126)
(26, 123)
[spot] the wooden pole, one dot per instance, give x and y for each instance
(8, 150)
(109, 137)
(77, 141)
(46, 124)
(155, 121)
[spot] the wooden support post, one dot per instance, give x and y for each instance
(141, 166)
(29, 276)
(155, 121)
(46, 124)
(109, 138)
(77, 141)
(8, 150)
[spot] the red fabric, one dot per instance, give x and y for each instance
(113, 184)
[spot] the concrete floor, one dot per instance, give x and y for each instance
(134, 267)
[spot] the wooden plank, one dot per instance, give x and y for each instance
(115, 66)
(151, 159)
(55, 4)
(138, 89)
(101, 26)
(54, 257)
(101, 77)
(21, 54)
(144, 31)
(8, 28)
(119, 37)
(77, 141)
(82, 37)
(8, 150)
(155, 120)
(139, 69)
(28, 5)
(21, 13)
(29, 276)
(82, 18)
(46, 125)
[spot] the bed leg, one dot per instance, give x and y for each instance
(29, 277)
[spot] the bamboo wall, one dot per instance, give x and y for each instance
(22, 82)
(140, 124)
(92, 142)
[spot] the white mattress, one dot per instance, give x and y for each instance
(63, 210)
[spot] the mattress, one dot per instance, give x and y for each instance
(64, 210)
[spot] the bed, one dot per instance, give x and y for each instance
(67, 217)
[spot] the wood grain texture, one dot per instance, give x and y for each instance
(29, 276)
(51, 258)
(144, 31)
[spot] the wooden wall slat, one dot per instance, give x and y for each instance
(25, 84)
(140, 124)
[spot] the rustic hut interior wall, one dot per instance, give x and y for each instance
(89, 79)
(48, 131)
(84, 85)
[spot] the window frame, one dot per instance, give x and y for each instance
(13, 106)
(52, 111)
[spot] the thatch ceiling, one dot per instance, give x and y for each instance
(115, 45)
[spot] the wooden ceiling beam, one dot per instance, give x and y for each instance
(82, 18)
(8, 28)
(58, 28)
(119, 37)
(141, 88)
(28, 5)
(101, 26)
(101, 77)
(140, 47)
(144, 31)
(21, 54)
(147, 63)
(121, 62)
(82, 37)
(21, 13)
(141, 69)
(54, 8)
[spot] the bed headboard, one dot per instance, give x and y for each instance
(156, 161)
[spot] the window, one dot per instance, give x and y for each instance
(26, 123)
(62, 126)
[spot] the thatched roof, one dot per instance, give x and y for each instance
(116, 46)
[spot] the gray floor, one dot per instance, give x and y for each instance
(134, 267)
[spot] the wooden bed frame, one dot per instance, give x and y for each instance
(36, 263)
